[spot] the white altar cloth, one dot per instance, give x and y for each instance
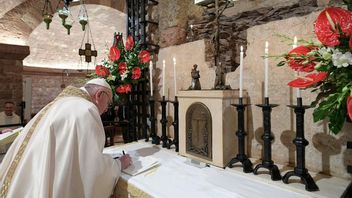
(175, 178)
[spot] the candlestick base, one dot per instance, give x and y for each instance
(246, 163)
(305, 178)
(241, 156)
(301, 143)
(156, 140)
(267, 138)
(273, 170)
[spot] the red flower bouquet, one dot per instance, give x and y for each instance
(125, 64)
(328, 66)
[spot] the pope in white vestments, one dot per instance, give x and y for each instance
(59, 152)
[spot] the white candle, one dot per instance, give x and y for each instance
(241, 72)
(266, 73)
(298, 90)
(151, 77)
(174, 59)
(294, 42)
(163, 94)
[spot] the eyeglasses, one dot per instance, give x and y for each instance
(110, 100)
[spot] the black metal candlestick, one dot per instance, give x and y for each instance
(175, 124)
(155, 137)
(300, 143)
(267, 138)
(348, 191)
(163, 122)
(241, 156)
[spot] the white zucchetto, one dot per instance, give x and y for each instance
(99, 81)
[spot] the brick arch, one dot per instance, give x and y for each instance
(18, 18)
(55, 49)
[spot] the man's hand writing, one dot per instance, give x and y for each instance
(125, 161)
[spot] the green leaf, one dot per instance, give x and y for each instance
(337, 119)
(319, 114)
(281, 63)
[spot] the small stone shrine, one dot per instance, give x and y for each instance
(208, 125)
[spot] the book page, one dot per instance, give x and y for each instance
(141, 164)
(114, 153)
(9, 137)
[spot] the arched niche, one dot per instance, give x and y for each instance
(199, 131)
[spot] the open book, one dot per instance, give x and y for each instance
(141, 164)
(9, 137)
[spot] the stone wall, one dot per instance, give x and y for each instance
(11, 67)
(176, 18)
(173, 17)
(233, 26)
(326, 152)
(48, 83)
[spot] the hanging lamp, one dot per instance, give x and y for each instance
(68, 23)
(47, 13)
(63, 14)
(83, 15)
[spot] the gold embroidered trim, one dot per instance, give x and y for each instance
(18, 156)
(127, 190)
(69, 91)
(74, 91)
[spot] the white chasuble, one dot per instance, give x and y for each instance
(59, 153)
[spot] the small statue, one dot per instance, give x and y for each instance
(220, 78)
(195, 79)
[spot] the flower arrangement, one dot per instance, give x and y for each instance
(328, 66)
(124, 65)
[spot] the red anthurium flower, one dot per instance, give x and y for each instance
(326, 23)
(136, 73)
(349, 106)
(120, 89)
(144, 56)
(117, 39)
(308, 80)
(102, 71)
(114, 54)
(296, 62)
(124, 88)
(128, 88)
(122, 67)
(129, 43)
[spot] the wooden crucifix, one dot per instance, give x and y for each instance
(88, 52)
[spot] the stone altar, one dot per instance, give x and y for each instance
(222, 135)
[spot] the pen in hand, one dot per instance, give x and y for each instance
(123, 153)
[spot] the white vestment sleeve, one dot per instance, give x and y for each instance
(99, 171)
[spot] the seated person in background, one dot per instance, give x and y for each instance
(8, 116)
(59, 152)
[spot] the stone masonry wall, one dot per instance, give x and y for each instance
(10, 83)
(46, 85)
(326, 152)
(11, 67)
